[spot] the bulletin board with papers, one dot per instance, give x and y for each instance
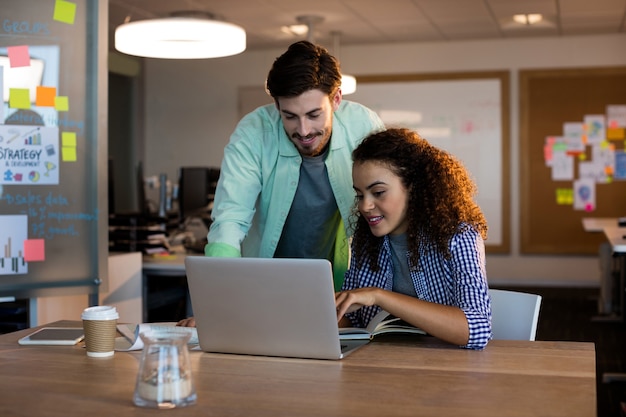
(53, 147)
(572, 157)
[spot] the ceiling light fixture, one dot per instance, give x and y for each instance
(297, 30)
(528, 19)
(183, 35)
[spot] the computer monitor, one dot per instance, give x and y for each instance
(196, 188)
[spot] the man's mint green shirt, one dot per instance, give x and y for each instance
(259, 176)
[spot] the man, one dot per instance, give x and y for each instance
(285, 187)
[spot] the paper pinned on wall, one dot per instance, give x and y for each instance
(620, 165)
(584, 195)
(562, 166)
(595, 128)
(574, 134)
(616, 116)
(13, 234)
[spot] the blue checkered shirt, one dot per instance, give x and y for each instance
(459, 281)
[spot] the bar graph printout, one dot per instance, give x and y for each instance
(13, 233)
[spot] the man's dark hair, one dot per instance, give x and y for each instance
(303, 67)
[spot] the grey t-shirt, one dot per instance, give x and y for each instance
(402, 282)
(311, 226)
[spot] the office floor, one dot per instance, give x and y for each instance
(567, 314)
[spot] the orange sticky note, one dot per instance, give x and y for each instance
(34, 250)
(61, 103)
(64, 12)
(45, 96)
(19, 98)
(616, 133)
(18, 56)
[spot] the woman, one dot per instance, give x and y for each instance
(418, 249)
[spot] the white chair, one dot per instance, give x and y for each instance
(514, 315)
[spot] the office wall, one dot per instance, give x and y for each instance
(192, 107)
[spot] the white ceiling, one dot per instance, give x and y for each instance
(389, 21)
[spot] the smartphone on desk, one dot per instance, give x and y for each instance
(54, 336)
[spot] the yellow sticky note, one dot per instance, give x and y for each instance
(564, 196)
(68, 139)
(68, 153)
(45, 96)
(64, 11)
(19, 98)
(61, 103)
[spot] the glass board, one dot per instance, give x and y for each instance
(53, 216)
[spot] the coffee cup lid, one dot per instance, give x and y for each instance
(100, 313)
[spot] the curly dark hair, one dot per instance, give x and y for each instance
(441, 195)
(303, 67)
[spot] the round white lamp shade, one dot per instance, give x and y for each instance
(348, 84)
(180, 38)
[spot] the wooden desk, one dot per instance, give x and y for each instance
(615, 236)
(392, 377)
(598, 224)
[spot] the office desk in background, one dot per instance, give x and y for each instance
(615, 235)
(617, 238)
(598, 224)
(392, 377)
(609, 306)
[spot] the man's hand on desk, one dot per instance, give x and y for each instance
(188, 322)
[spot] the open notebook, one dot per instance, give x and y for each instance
(263, 306)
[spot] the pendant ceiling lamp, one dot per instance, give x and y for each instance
(348, 82)
(183, 35)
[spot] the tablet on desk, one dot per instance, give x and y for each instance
(54, 336)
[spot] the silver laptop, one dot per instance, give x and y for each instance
(263, 306)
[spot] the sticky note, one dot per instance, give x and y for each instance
(61, 103)
(564, 196)
(616, 133)
(45, 96)
(19, 98)
(68, 153)
(34, 250)
(68, 139)
(64, 11)
(18, 56)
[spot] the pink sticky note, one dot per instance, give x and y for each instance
(34, 250)
(18, 56)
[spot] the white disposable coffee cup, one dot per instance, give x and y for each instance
(100, 326)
